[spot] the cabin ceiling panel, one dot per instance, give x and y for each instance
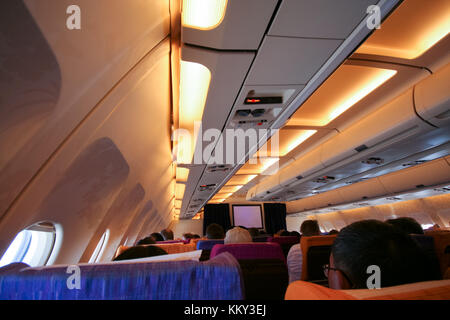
(241, 28)
(319, 18)
(289, 61)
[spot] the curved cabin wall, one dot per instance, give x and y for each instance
(430, 210)
(104, 152)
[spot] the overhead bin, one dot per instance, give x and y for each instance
(434, 173)
(290, 61)
(432, 98)
(319, 18)
(394, 124)
(226, 24)
(428, 174)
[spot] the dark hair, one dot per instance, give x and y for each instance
(254, 232)
(167, 234)
(215, 231)
(284, 233)
(406, 224)
(147, 240)
(372, 242)
(140, 252)
(310, 228)
(157, 236)
(333, 231)
(294, 234)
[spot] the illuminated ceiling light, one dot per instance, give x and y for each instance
(230, 189)
(222, 196)
(203, 14)
(241, 179)
(179, 190)
(178, 204)
(410, 30)
(194, 85)
(288, 140)
(294, 143)
(217, 200)
(346, 87)
(383, 76)
(182, 174)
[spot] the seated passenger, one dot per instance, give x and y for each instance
(237, 235)
(140, 252)
(406, 224)
(157, 236)
(295, 256)
(215, 231)
(167, 234)
(254, 232)
(375, 243)
(147, 240)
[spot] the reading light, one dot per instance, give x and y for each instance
(194, 85)
(411, 30)
(203, 14)
(178, 204)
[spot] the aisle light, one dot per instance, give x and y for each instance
(194, 84)
(203, 14)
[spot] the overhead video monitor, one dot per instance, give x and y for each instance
(249, 216)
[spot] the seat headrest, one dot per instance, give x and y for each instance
(250, 250)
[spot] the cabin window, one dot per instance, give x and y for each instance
(101, 245)
(32, 246)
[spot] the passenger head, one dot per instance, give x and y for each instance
(406, 224)
(254, 232)
(333, 231)
(310, 228)
(167, 234)
(371, 242)
(157, 236)
(147, 240)
(294, 234)
(237, 235)
(215, 231)
(187, 236)
(140, 252)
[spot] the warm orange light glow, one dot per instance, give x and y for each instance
(413, 28)
(222, 195)
(230, 189)
(194, 85)
(178, 204)
(182, 174)
(203, 14)
(241, 179)
(346, 87)
(257, 165)
(179, 190)
(288, 140)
